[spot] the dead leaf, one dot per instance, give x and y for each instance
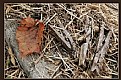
(29, 36)
(83, 52)
(27, 22)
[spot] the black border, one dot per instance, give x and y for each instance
(1, 41)
(64, 1)
(45, 1)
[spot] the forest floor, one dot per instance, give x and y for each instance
(88, 46)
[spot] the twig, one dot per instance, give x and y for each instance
(73, 45)
(47, 44)
(83, 53)
(88, 35)
(68, 24)
(60, 38)
(57, 57)
(11, 76)
(112, 5)
(68, 11)
(55, 71)
(115, 37)
(58, 28)
(105, 47)
(50, 18)
(57, 75)
(10, 67)
(111, 60)
(24, 6)
(14, 72)
(100, 55)
(113, 73)
(20, 74)
(49, 6)
(41, 16)
(84, 48)
(101, 38)
(49, 59)
(63, 59)
(67, 75)
(43, 51)
(49, 68)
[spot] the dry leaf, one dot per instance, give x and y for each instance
(29, 36)
(27, 22)
(83, 52)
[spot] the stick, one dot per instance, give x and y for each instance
(101, 37)
(63, 60)
(73, 45)
(50, 18)
(43, 52)
(60, 38)
(100, 55)
(55, 71)
(68, 11)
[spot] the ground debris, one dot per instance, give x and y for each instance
(79, 39)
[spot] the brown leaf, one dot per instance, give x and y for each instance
(29, 36)
(27, 22)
